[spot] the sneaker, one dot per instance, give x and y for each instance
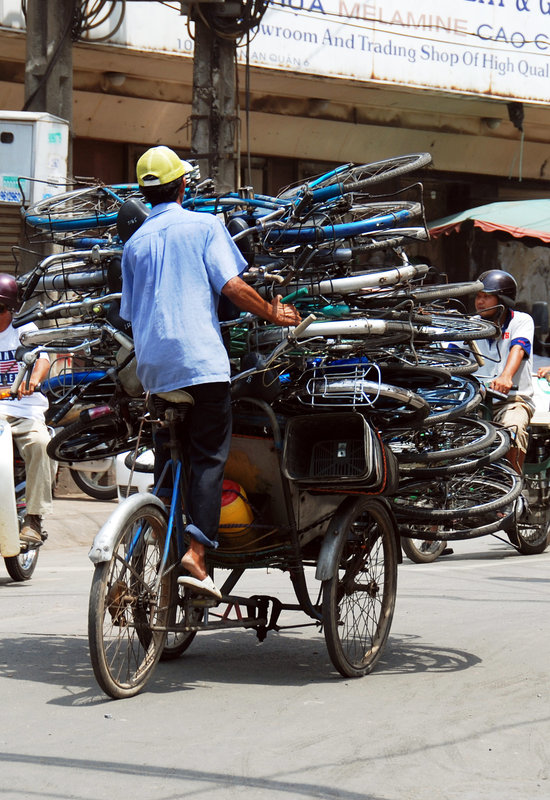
(31, 533)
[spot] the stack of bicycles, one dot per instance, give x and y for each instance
(352, 431)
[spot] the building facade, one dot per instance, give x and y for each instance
(324, 82)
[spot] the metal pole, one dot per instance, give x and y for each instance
(49, 60)
(213, 110)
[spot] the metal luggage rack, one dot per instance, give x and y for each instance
(353, 384)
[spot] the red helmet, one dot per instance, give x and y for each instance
(9, 294)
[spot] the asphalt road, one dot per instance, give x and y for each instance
(458, 707)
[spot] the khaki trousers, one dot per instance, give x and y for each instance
(515, 415)
(32, 437)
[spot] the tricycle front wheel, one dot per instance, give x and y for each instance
(359, 599)
(129, 607)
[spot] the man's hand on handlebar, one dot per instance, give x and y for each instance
(247, 299)
(284, 314)
(39, 373)
(501, 384)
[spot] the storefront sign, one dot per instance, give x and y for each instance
(499, 48)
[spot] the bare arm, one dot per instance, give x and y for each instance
(247, 299)
(40, 371)
(504, 382)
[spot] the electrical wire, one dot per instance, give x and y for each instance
(84, 17)
(233, 27)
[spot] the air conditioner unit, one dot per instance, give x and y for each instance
(34, 148)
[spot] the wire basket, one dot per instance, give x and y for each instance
(332, 448)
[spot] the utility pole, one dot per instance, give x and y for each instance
(49, 60)
(214, 115)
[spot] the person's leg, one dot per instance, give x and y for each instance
(32, 437)
(515, 415)
(208, 439)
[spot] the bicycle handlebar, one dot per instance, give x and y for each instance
(27, 359)
(95, 256)
(62, 309)
(276, 352)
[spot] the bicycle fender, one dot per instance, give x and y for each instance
(328, 553)
(105, 538)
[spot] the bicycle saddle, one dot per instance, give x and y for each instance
(177, 396)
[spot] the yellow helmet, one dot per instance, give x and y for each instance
(160, 165)
(236, 515)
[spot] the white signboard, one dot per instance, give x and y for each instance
(499, 48)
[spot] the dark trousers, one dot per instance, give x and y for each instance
(205, 437)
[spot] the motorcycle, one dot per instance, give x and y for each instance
(19, 558)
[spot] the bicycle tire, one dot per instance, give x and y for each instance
(92, 439)
(81, 209)
(530, 533)
(125, 608)
(362, 177)
(364, 211)
(359, 599)
(449, 361)
(98, 485)
(530, 538)
(488, 455)
(451, 440)
(459, 532)
(425, 294)
(457, 497)
(354, 178)
(459, 397)
(388, 405)
(422, 551)
(389, 240)
(449, 328)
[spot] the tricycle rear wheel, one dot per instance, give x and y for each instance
(359, 600)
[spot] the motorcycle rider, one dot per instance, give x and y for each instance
(25, 415)
(508, 358)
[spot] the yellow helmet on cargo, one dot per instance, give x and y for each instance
(235, 515)
(159, 166)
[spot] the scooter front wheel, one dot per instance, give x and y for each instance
(21, 567)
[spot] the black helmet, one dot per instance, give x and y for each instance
(502, 284)
(131, 214)
(9, 294)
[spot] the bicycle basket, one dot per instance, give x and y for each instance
(338, 447)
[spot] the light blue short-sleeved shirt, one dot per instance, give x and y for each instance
(173, 270)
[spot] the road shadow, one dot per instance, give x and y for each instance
(177, 780)
(233, 658)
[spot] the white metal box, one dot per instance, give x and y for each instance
(34, 148)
